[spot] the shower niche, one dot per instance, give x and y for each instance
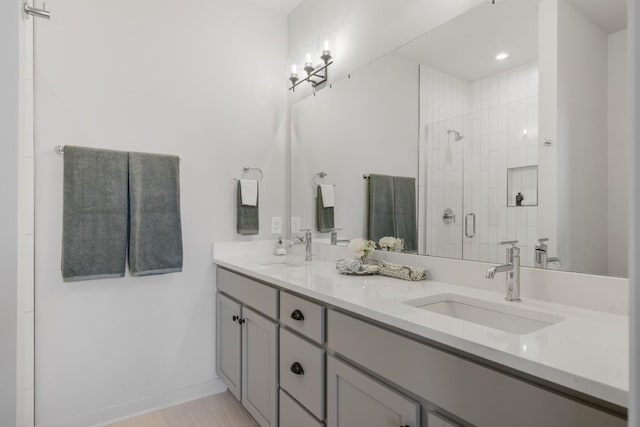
(522, 186)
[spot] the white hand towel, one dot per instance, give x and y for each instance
(328, 197)
(249, 190)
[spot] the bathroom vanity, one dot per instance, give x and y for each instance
(301, 345)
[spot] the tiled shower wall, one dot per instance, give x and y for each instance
(470, 176)
(444, 104)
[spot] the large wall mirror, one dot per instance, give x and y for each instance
(483, 130)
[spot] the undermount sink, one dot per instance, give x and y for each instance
(512, 319)
(282, 263)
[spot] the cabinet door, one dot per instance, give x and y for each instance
(435, 420)
(260, 367)
(228, 342)
(356, 400)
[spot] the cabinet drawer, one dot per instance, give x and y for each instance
(292, 414)
(261, 297)
(306, 384)
(302, 316)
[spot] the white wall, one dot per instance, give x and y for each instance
(199, 79)
(582, 153)
(363, 30)
(548, 123)
(350, 130)
(9, 107)
(618, 154)
(634, 212)
(26, 350)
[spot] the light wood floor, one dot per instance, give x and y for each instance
(219, 410)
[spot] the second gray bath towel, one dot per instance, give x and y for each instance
(404, 211)
(94, 228)
(381, 205)
(155, 244)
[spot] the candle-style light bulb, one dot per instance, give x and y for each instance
(308, 65)
(294, 75)
(326, 53)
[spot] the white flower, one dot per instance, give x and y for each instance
(392, 244)
(361, 247)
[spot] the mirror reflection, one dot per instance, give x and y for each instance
(478, 132)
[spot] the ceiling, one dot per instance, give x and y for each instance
(284, 6)
(466, 46)
(610, 15)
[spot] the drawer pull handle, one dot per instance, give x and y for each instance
(297, 369)
(297, 315)
(235, 317)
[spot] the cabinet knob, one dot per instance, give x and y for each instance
(235, 317)
(297, 315)
(241, 321)
(297, 369)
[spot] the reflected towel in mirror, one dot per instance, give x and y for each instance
(249, 190)
(325, 218)
(328, 196)
(247, 216)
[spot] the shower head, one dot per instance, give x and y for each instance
(457, 135)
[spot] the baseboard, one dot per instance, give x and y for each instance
(142, 406)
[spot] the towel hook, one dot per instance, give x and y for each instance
(248, 169)
(320, 175)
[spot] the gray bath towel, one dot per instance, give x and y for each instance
(155, 244)
(324, 216)
(404, 211)
(381, 212)
(94, 229)
(247, 217)
(392, 209)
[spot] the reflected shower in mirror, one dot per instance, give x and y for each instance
(508, 134)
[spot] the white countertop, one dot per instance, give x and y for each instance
(588, 351)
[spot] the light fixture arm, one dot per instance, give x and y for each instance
(317, 77)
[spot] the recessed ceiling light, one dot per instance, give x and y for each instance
(502, 56)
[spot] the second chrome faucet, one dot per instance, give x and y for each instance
(512, 270)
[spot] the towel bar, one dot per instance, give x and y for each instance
(59, 149)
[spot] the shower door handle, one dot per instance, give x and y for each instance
(471, 234)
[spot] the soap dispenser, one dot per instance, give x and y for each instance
(280, 249)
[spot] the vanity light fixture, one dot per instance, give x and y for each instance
(316, 75)
(502, 56)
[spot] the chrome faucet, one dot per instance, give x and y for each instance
(542, 251)
(307, 241)
(334, 237)
(512, 268)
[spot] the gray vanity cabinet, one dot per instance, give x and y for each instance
(356, 400)
(260, 367)
(228, 342)
(435, 420)
(247, 344)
